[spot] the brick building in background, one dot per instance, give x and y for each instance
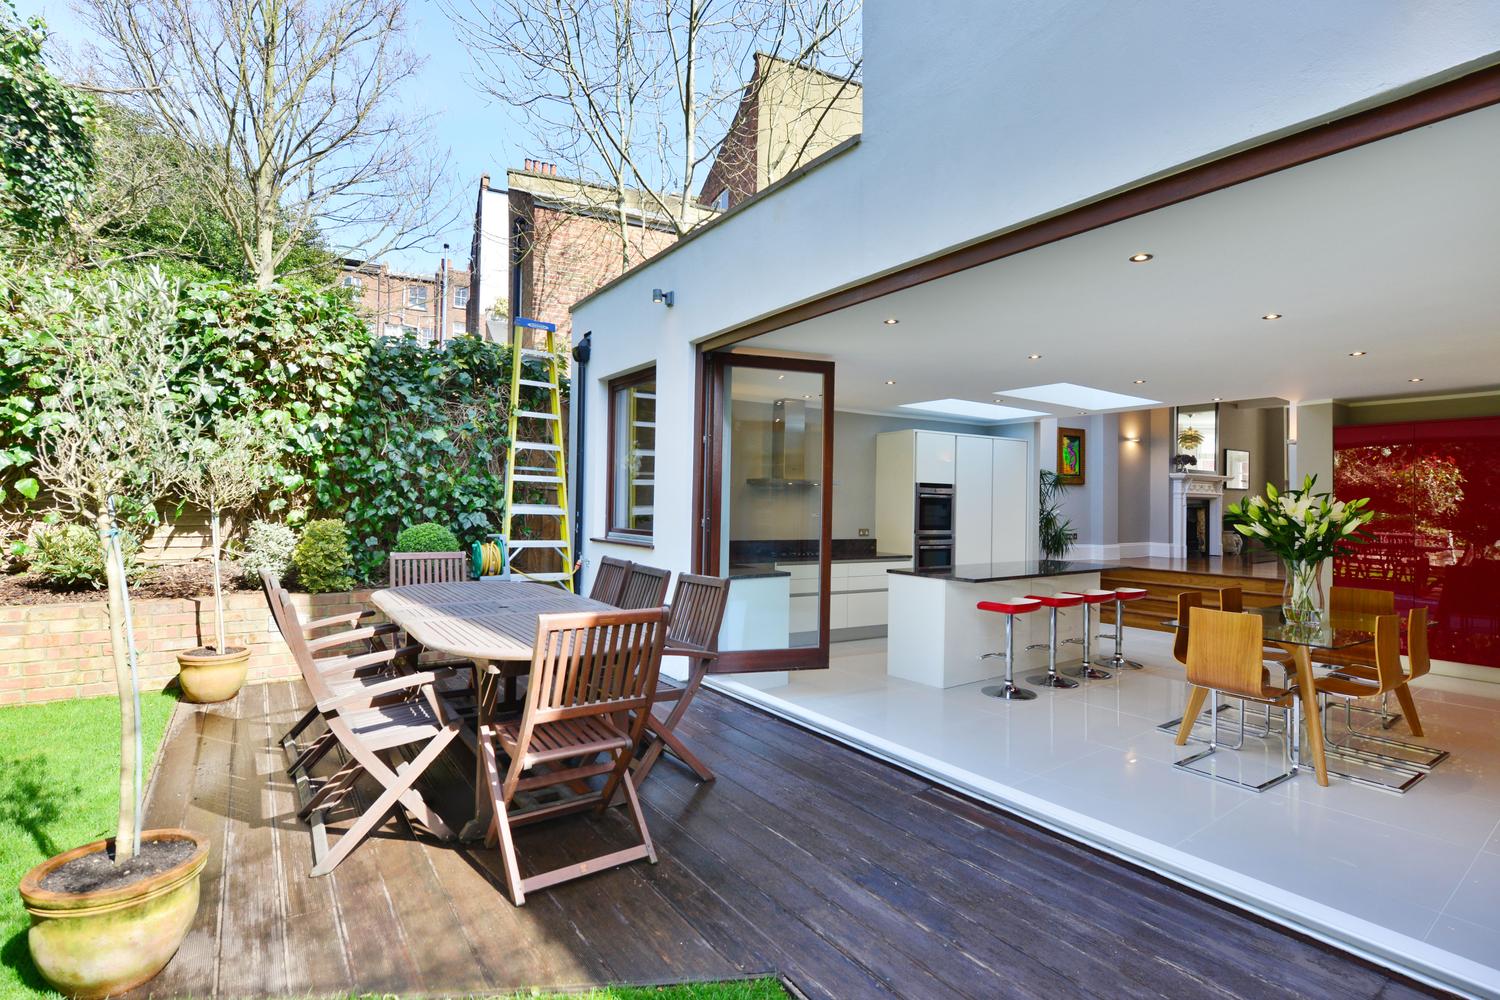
(395, 303)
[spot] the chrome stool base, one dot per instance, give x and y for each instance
(1118, 662)
(1088, 672)
(1008, 691)
(1051, 681)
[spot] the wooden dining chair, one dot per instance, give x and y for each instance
(1387, 676)
(609, 581)
(1233, 599)
(1224, 655)
(1361, 601)
(696, 614)
(645, 587)
(406, 569)
(390, 729)
(591, 683)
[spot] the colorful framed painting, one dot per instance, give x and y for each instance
(1070, 456)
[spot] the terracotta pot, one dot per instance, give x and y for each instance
(97, 944)
(211, 677)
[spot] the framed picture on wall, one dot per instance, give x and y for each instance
(1070, 456)
(1237, 468)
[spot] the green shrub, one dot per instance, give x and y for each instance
(70, 556)
(322, 557)
(427, 537)
(268, 546)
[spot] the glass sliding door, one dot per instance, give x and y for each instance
(766, 496)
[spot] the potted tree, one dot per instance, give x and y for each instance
(109, 915)
(222, 473)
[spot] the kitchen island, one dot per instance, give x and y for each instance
(937, 635)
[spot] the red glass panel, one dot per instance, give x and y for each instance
(1436, 543)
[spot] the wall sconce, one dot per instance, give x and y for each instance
(665, 298)
(1291, 423)
(1132, 439)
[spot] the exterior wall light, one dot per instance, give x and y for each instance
(665, 298)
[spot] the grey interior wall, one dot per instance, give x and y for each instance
(1386, 411)
(1134, 470)
(1258, 431)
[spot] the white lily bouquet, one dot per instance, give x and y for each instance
(1305, 529)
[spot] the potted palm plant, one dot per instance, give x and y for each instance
(109, 915)
(222, 473)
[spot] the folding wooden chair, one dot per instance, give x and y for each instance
(645, 587)
(370, 637)
(696, 613)
(408, 568)
(610, 580)
(592, 678)
(370, 720)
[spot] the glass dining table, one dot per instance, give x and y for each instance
(1337, 631)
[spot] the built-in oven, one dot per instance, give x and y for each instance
(934, 554)
(934, 511)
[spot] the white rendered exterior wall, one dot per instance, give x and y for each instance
(980, 117)
(493, 262)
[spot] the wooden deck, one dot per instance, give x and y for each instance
(806, 859)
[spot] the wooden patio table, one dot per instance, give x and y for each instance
(1337, 631)
(491, 623)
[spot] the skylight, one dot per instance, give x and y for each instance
(972, 410)
(1079, 397)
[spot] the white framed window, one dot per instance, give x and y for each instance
(460, 296)
(352, 281)
(408, 330)
(721, 200)
(416, 296)
(632, 454)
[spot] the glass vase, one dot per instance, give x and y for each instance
(1302, 597)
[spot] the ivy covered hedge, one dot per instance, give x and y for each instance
(378, 433)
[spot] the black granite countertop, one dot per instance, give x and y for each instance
(877, 557)
(992, 572)
(755, 571)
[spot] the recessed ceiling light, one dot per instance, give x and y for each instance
(1079, 397)
(807, 395)
(1140, 258)
(890, 381)
(1413, 380)
(1033, 357)
(780, 377)
(1356, 354)
(1271, 316)
(1217, 399)
(972, 410)
(892, 321)
(1140, 381)
(1082, 413)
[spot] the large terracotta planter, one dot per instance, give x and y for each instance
(210, 677)
(97, 944)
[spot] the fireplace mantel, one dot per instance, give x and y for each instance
(1197, 486)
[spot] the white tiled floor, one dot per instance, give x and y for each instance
(1411, 879)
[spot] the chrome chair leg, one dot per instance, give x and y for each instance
(1118, 660)
(1288, 754)
(1406, 776)
(1424, 758)
(1086, 670)
(1008, 690)
(1052, 678)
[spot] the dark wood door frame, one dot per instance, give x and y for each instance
(708, 485)
(1477, 90)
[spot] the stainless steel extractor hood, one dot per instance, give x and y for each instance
(786, 448)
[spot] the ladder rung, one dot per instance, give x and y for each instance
(536, 415)
(534, 446)
(552, 478)
(532, 352)
(536, 543)
(538, 508)
(549, 577)
(537, 384)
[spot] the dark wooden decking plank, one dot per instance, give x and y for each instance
(207, 737)
(317, 956)
(252, 945)
(1246, 957)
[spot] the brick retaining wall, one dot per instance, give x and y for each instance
(51, 652)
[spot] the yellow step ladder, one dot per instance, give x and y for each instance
(535, 462)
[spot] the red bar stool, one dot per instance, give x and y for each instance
(1052, 602)
(1122, 595)
(1010, 607)
(1086, 670)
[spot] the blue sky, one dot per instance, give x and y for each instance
(480, 134)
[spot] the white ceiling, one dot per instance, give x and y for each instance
(1392, 248)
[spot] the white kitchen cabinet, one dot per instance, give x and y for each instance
(1011, 486)
(972, 511)
(936, 454)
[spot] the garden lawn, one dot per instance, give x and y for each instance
(59, 786)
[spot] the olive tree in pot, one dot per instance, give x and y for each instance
(109, 915)
(222, 473)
